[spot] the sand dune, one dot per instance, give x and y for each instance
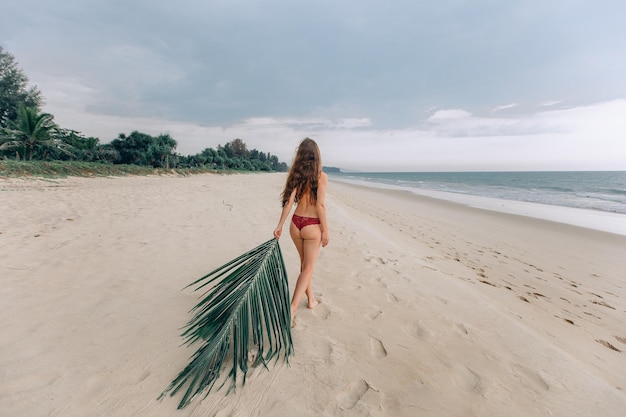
(428, 308)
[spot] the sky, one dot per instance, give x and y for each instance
(399, 85)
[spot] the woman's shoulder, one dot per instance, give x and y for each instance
(323, 177)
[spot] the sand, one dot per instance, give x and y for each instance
(428, 308)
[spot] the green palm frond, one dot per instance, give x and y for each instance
(247, 308)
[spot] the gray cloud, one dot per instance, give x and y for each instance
(374, 65)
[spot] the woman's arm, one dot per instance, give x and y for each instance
(321, 207)
(283, 215)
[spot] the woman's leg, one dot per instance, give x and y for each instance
(299, 242)
(307, 242)
(311, 300)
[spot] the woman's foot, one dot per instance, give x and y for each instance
(313, 303)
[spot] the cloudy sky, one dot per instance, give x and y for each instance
(396, 85)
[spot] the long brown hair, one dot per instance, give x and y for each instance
(304, 172)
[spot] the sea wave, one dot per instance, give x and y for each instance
(603, 191)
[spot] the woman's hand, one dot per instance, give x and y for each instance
(278, 232)
(325, 238)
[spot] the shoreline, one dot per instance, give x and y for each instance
(591, 219)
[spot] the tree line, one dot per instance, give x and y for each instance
(28, 133)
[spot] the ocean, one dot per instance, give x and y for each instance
(595, 192)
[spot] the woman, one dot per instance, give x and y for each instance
(306, 187)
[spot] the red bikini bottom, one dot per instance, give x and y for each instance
(301, 221)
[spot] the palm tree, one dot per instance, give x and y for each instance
(160, 151)
(247, 310)
(31, 130)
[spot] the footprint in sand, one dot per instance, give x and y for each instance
(592, 315)
(377, 349)
(140, 376)
(381, 283)
(532, 376)
(374, 314)
(375, 260)
(418, 331)
(608, 345)
(391, 297)
(322, 311)
(466, 379)
(603, 304)
(331, 352)
(459, 327)
(351, 394)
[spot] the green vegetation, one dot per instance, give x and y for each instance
(56, 169)
(13, 89)
(31, 130)
(247, 301)
(27, 133)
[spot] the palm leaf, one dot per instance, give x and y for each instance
(247, 307)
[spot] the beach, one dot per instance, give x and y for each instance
(428, 307)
